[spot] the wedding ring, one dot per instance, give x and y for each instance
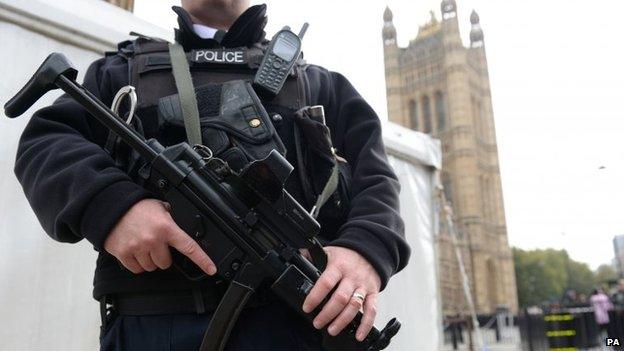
(357, 295)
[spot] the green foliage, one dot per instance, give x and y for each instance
(541, 275)
(544, 275)
(580, 277)
(605, 273)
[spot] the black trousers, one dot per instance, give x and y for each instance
(267, 328)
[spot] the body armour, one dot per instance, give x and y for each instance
(242, 137)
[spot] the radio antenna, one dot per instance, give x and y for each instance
(303, 30)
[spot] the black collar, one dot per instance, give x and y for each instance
(247, 30)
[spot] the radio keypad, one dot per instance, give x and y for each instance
(272, 78)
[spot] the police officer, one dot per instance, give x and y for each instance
(79, 191)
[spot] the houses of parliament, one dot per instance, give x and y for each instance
(438, 86)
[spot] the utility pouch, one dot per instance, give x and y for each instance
(321, 161)
(233, 121)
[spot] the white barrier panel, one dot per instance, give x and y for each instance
(413, 294)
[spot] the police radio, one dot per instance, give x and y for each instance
(281, 55)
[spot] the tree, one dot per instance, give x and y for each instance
(580, 277)
(541, 275)
(604, 274)
(544, 275)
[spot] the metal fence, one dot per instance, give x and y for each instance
(496, 330)
(567, 328)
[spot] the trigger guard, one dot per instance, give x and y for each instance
(187, 267)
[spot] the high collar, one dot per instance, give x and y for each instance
(247, 30)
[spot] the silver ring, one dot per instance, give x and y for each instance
(358, 296)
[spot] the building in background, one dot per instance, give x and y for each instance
(438, 86)
(125, 4)
(618, 249)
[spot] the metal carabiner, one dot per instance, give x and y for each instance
(204, 151)
(129, 91)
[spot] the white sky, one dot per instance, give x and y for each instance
(556, 70)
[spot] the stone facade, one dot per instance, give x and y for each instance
(124, 4)
(618, 250)
(438, 86)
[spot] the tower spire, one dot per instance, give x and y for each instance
(476, 32)
(389, 31)
(449, 9)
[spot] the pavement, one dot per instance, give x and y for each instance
(509, 341)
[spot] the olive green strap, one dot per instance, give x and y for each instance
(328, 190)
(186, 91)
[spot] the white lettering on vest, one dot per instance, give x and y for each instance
(218, 56)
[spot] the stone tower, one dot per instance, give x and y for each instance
(438, 86)
(125, 4)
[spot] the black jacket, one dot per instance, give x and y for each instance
(77, 192)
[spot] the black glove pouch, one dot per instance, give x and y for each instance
(318, 159)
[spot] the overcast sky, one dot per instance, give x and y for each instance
(557, 75)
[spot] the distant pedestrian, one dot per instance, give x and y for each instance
(601, 304)
(618, 297)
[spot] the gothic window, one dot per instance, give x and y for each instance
(476, 115)
(485, 201)
(413, 114)
(426, 114)
(446, 185)
(440, 110)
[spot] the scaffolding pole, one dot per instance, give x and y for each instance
(450, 223)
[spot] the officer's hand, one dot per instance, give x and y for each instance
(141, 239)
(350, 273)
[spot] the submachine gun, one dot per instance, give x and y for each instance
(246, 222)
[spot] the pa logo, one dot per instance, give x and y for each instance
(613, 342)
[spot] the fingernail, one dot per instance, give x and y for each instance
(316, 324)
(306, 308)
(359, 336)
(212, 270)
(332, 330)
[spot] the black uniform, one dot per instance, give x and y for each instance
(78, 191)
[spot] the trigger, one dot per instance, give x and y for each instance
(199, 227)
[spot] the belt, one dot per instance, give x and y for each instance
(175, 302)
(169, 302)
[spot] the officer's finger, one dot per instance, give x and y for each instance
(161, 256)
(346, 316)
(326, 282)
(145, 261)
(132, 265)
(338, 301)
(189, 248)
(370, 312)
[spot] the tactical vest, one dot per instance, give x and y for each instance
(305, 143)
